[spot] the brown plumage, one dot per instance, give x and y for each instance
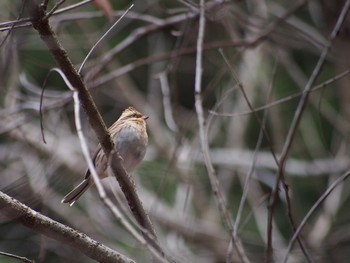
(130, 139)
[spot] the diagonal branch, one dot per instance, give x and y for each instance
(14, 209)
(297, 232)
(41, 24)
(295, 123)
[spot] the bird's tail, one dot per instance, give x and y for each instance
(74, 195)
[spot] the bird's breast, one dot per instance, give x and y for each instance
(131, 144)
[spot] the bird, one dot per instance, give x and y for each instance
(130, 139)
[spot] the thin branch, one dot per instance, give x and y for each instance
(24, 259)
(254, 159)
(285, 99)
(141, 32)
(218, 192)
(240, 86)
(267, 137)
(41, 113)
(13, 24)
(90, 15)
(340, 180)
(294, 167)
(102, 37)
(295, 123)
(132, 37)
(83, 143)
(71, 7)
(54, 8)
(26, 22)
(168, 112)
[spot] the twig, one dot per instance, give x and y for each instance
(24, 259)
(254, 159)
(83, 143)
(312, 210)
(133, 36)
(295, 123)
(240, 86)
(41, 114)
(90, 15)
(285, 99)
(141, 32)
(168, 112)
(294, 167)
(103, 36)
(218, 193)
(261, 125)
(13, 24)
(50, 13)
(71, 7)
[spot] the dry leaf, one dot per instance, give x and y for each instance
(106, 8)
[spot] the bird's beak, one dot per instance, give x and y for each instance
(145, 117)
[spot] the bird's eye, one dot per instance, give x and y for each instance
(134, 115)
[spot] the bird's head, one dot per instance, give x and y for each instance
(130, 114)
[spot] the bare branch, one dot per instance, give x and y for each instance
(102, 37)
(24, 259)
(340, 180)
(296, 120)
(13, 209)
(218, 193)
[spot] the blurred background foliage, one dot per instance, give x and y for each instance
(148, 61)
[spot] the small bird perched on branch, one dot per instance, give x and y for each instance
(130, 139)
